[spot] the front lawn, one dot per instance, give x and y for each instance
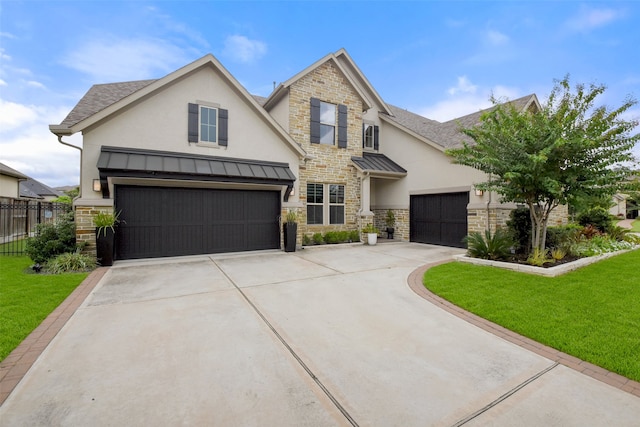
(636, 226)
(592, 313)
(27, 299)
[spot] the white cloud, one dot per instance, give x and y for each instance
(242, 49)
(33, 150)
(4, 56)
(496, 38)
(463, 86)
(588, 19)
(2, 83)
(466, 98)
(13, 115)
(116, 59)
(35, 84)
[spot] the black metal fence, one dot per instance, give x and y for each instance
(19, 219)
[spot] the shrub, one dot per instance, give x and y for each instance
(52, 239)
(317, 238)
(558, 253)
(331, 237)
(487, 246)
(354, 236)
(519, 225)
(598, 217)
(306, 240)
(590, 231)
(343, 236)
(71, 262)
(563, 236)
(539, 258)
(599, 245)
(618, 233)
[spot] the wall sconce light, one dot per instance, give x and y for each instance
(293, 192)
(96, 185)
(479, 193)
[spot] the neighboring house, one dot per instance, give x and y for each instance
(33, 189)
(195, 164)
(10, 182)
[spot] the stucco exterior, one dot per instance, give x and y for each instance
(9, 186)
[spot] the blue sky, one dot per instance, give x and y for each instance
(438, 59)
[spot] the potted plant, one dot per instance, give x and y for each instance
(290, 231)
(390, 222)
(372, 234)
(105, 223)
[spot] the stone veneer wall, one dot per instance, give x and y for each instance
(402, 223)
(85, 229)
(330, 164)
(477, 218)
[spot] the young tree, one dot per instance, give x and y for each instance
(545, 158)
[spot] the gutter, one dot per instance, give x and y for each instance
(60, 132)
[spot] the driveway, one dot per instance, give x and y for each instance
(324, 336)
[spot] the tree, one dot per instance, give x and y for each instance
(566, 150)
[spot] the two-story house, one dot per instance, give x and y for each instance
(196, 164)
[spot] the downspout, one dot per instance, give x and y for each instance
(79, 149)
(489, 209)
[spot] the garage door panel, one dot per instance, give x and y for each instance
(439, 219)
(179, 221)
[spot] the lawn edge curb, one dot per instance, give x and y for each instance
(15, 366)
(618, 381)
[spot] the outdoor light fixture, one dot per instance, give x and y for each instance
(96, 185)
(293, 191)
(479, 193)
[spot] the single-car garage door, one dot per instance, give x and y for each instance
(160, 221)
(439, 219)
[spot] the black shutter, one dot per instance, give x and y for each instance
(315, 121)
(376, 142)
(363, 134)
(223, 124)
(193, 122)
(342, 126)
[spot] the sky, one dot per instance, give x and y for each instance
(440, 59)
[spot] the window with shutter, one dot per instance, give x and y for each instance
(208, 125)
(328, 123)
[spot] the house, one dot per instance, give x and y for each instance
(196, 164)
(33, 189)
(10, 182)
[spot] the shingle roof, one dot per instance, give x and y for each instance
(100, 97)
(6, 170)
(32, 186)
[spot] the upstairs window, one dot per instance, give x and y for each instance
(370, 136)
(327, 123)
(208, 125)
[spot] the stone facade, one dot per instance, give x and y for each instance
(328, 164)
(85, 228)
(498, 217)
(402, 222)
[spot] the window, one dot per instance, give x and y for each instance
(208, 124)
(327, 123)
(370, 136)
(320, 207)
(314, 203)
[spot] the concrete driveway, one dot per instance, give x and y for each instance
(325, 336)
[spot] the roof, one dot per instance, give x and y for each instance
(6, 170)
(447, 134)
(31, 186)
(378, 164)
(100, 97)
(138, 163)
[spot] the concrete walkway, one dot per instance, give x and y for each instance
(324, 336)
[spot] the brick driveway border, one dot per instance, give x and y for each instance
(623, 383)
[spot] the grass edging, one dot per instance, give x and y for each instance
(541, 271)
(415, 282)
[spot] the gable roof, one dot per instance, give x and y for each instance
(32, 186)
(336, 58)
(447, 134)
(103, 100)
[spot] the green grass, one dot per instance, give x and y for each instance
(636, 226)
(592, 313)
(27, 299)
(14, 246)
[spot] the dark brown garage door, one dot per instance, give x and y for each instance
(439, 219)
(159, 222)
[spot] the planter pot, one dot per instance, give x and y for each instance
(372, 238)
(290, 233)
(390, 231)
(105, 247)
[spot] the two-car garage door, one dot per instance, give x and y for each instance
(166, 221)
(439, 219)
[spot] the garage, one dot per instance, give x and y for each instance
(161, 221)
(439, 219)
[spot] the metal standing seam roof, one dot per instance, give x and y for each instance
(147, 163)
(378, 163)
